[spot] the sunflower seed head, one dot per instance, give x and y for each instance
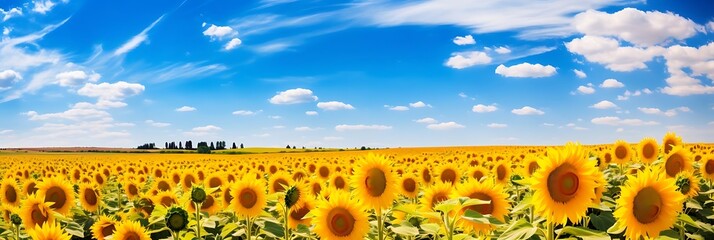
(292, 196)
(198, 195)
(15, 219)
(176, 219)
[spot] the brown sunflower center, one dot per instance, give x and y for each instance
(448, 175)
(167, 201)
(188, 181)
(298, 214)
(608, 158)
(482, 208)
(99, 179)
(668, 145)
(108, 230)
(133, 190)
(298, 175)
(647, 205)
(340, 183)
(278, 185)
(409, 185)
(376, 182)
(164, 186)
(57, 196)
(648, 151)
(77, 175)
(438, 197)
(709, 167)
(214, 182)
(11, 194)
(501, 172)
(478, 175)
(316, 188)
(324, 172)
(227, 198)
(621, 152)
(532, 167)
(674, 165)
(131, 236)
(158, 173)
(90, 196)
(38, 215)
(248, 198)
(426, 175)
(176, 178)
(31, 188)
(340, 222)
(563, 183)
(208, 203)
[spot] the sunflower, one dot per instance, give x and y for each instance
(323, 172)
(426, 175)
(279, 182)
(530, 166)
(99, 179)
(670, 141)
(338, 181)
(316, 187)
(621, 152)
(707, 168)
(9, 193)
(130, 231)
(249, 197)
(189, 178)
(226, 193)
(340, 218)
(131, 188)
(601, 185)
(162, 185)
(449, 173)
(486, 191)
(605, 160)
(29, 187)
(502, 171)
(374, 181)
(649, 203)
(176, 177)
(211, 205)
(565, 183)
(298, 194)
(89, 197)
(647, 149)
(409, 186)
(214, 180)
(165, 199)
(48, 231)
(297, 215)
(688, 184)
(435, 194)
(34, 211)
(103, 228)
(57, 191)
(478, 172)
(677, 160)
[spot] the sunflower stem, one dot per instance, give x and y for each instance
(531, 213)
(550, 231)
(681, 231)
(17, 231)
(287, 229)
(248, 225)
(198, 219)
(379, 223)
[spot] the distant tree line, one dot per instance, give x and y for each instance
(147, 146)
(188, 145)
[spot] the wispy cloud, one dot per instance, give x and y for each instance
(136, 40)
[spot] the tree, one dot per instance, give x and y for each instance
(293, 146)
(204, 149)
(363, 148)
(234, 146)
(241, 146)
(180, 145)
(288, 146)
(212, 146)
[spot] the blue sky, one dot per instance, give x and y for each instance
(352, 73)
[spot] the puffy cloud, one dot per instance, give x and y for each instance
(502, 50)
(75, 78)
(616, 121)
(13, 12)
(427, 120)
(497, 125)
(203, 130)
(9, 78)
(701, 63)
(526, 70)
(604, 105)
(233, 43)
(306, 129)
(636, 93)
(669, 113)
(463, 60)
(419, 104)
(580, 74)
(244, 113)
(465, 40)
(608, 52)
(311, 113)
(186, 109)
(42, 6)
(334, 105)
(480, 108)
(293, 96)
(527, 110)
(397, 108)
(157, 124)
(611, 83)
(76, 114)
(444, 126)
(586, 89)
(219, 32)
(345, 127)
(101, 104)
(635, 26)
(111, 91)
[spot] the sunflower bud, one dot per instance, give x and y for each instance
(198, 195)
(515, 179)
(292, 196)
(176, 219)
(15, 219)
(683, 184)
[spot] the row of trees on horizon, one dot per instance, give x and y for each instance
(188, 145)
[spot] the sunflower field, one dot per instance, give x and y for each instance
(645, 190)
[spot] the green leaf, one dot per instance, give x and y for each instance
(431, 228)
(447, 206)
(520, 229)
(273, 229)
(405, 230)
(74, 229)
(693, 204)
(524, 204)
(474, 216)
(616, 228)
(227, 229)
(585, 233)
(602, 222)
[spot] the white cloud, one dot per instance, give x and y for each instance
(101, 104)
(306, 129)
(331, 138)
(293, 96)
(233, 43)
(203, 130)
(397, 108)
(461, 60)
(444, 126)
(427, 120)
(244, 113)
(136, 40)
(611, 83)
(186, 109)
(465, 40)
(580, 74)
(219, 32)
(76, 114)
(334, 105)
(9, 78)
(669, 113)
(6, 31)
(157, 124)
(345, 127)
(419, 104)
(604, 105)
(635, 26)
(6, 131)
(480, 108)
(527, 110)
(278, 127)
(275, 117)
(42, 6)
(111, 91)
(701, 63)
(586, 89)
(548, 124)
(608, 52)
(636, 93)
(503, 50)
(497, 125)
(526, 70)
(620, 130)
(263, 135)
(616, 121)
(311, 113)
(13, 12)
(76, 78)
